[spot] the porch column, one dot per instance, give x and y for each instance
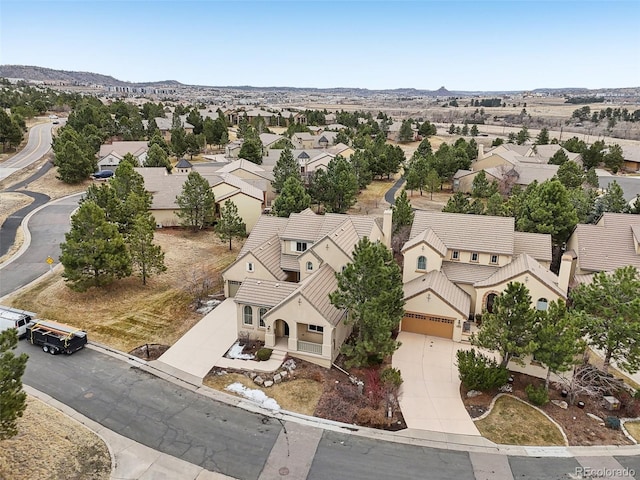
(326, 343)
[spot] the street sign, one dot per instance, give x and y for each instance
(50, 260)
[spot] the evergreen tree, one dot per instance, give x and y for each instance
(543, 137)
(157, 157)
(457, 203)
(230, 224)
(285, 167)
(609, 309)
(293, 198)
(614, 158)
(196, 202)
(558, 338)
(406, 132)
(146, 258)
(360, 162)
(152, 128)
(337, 187)
(495, 205)
(474, 130)
(251, 150)
(480, 188)
(452, 129)
(424, 149)
(402, 211)
(432, 181)
(94, 252)
(510, 328)
(570, 174)
(74, 163)
(157, 139)
(476, 207)
(523, 136)
(370, 288)
(13, 399)
(178, 142)
(613, 199)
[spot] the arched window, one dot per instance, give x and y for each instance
(542, 304)
(490, 299)
(248, 315)
(262, 312)
(309, 266)
(422, 262)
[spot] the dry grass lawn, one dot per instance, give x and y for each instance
(634, 430)
(11, 202)
(299, 395)
(51, 446)
(513, 422)
(371, 199)
(128, 314)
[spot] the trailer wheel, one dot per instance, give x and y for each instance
(45, 349)
(53, 350)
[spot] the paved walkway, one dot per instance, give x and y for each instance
(430, 394)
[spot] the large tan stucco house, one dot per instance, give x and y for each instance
(284, 274)
(111, 154)
(456, 264)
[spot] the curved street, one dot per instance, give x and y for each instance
(39, 143)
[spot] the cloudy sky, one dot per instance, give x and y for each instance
(473, 45)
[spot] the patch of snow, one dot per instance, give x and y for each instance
(208, 306)
(236, 352)
(256, 395)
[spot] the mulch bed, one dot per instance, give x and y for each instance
(149, 351)
(580, 429)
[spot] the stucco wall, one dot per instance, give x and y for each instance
(428, 303)
(410, 270)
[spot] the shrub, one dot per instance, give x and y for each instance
(613, 423)
(372, 417)
(391, 378)
(537, 395)
(264, 354)
(374, 387)
(479, 372)
(334, 407)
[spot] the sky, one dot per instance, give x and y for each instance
(472, 45)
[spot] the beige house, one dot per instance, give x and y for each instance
(111, 154)
(284, 273)
(166, 187)
(252, 174)
(455, 265)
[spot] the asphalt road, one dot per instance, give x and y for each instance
(38, 145)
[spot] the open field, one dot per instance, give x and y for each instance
(51, 446)
(128, 314)
(513, 422)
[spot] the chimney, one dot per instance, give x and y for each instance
(567, 270)
(387, 227)
(480, 151)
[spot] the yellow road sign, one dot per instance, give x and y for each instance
(49, 260)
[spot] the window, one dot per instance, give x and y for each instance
(474, 257)
(301, 246)
(491, 298)
(250, 267)
(248, 315)
(455, 255)
(422, 262)
(309, 266)
(542, 304)
(262, 312)
(494, 259)
(315, 328)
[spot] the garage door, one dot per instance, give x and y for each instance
(427, 325)
(233, 287)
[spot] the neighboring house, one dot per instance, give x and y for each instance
(631, 155)
(613, 242)
(183, 166)
(341, 149)
(166, 187)
(164, 125)
(268, 139)
(111, 154)
(303, 140)
(232, 149)
(455, 265)
(251, 173)
(284, 274)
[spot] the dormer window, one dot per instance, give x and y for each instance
(309, 266)
(474, 257)
(422, 262)
(301, 246)
(494, 259)
(455, 255)
(250, 267)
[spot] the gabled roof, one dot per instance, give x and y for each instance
(265, 228)
(269, 138)
(237, 182)
(538, 245)
(120, 149)
(475, 233)
(439, 284)
(523, 264)
(183, 163)
(609, 244)
(430, 238)
(269, 255)
(468, 273)
(289, 262)
(345, 237)
(241, 164)
(264, 293)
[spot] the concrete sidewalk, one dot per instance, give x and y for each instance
(131, 460)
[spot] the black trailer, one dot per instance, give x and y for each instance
(55, 337)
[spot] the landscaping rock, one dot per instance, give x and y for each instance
(473, 393)
(560, 403)
(284, 374)
(289, 364)
(508, 388)
(268, 383)
(252, 375)
(258, 380)
(595, 417)
(277, 378)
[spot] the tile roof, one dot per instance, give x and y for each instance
(269, 255)
(438, 283)
(183, 163)
(430, 238)
(269, 138)
(523, 263)
(264, 293)
(459, 231)
(122, 148)
(538, 245)
(316, 289)
(265, 228)
(289, 262)
(345, 237)
(609, 244)
(468, 273)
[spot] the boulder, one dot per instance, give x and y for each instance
(252, 375)
(268, 383)
(258, 380)
(277, 378)
(473, 393)
(284, 374)
(560, 403)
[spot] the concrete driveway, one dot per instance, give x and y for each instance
(430, 394)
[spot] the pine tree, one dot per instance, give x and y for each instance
(495, 205)
(543, 137)
(230, 224)
(559, 158)
(337, 187)
(432, 181)
(406, 132)
(474, 130)
(13, 400)
(196, 202)
(370, 288)
(402, 211)
(157, 157)
(94, 252)
(480, 186)
(457, 203)
(293, 198)
(146, 258)
(285, 167)
(613, 199)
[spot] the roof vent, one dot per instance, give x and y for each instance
(259, 282)
(277, 285)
